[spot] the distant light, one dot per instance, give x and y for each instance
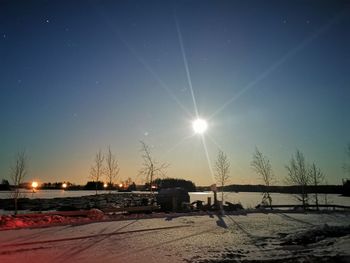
(64, 185)
(105, 185)
(34, 184)
(199, 126)
(153, 187)
(120, 185)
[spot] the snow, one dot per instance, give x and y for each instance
(182, 238)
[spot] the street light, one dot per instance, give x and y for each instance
(34, 185)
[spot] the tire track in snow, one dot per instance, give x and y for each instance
(90, 236)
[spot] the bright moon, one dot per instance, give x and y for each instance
(199, 126)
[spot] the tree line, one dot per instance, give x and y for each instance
(302, 177)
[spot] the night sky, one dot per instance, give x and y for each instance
(78, 76)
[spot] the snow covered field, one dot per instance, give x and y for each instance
(277, 237)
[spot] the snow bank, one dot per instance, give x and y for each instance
(316, 234)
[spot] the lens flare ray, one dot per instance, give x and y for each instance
(179, 143)
(186, 66)
(291, 53)
(142, 61)
(208, 158)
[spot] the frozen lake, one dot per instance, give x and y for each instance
(252, 199)
(247, 199)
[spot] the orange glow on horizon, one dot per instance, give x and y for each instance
(35, 184)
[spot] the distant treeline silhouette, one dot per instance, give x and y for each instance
(5, 185)
(346, 187)
(191, 187)
(175, 182)
(90, 185)
(293, 189)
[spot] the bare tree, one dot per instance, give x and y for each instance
(127, 182)
(298, 175)
(317, 177)
(222, 170)
(262, 166)
(150, 167)
(325, 195)
(96, 171)
(112, 168)
(346, 165)
(17, 173)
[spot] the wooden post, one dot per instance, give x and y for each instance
(215, 199)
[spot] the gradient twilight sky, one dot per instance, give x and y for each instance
(77, 76)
